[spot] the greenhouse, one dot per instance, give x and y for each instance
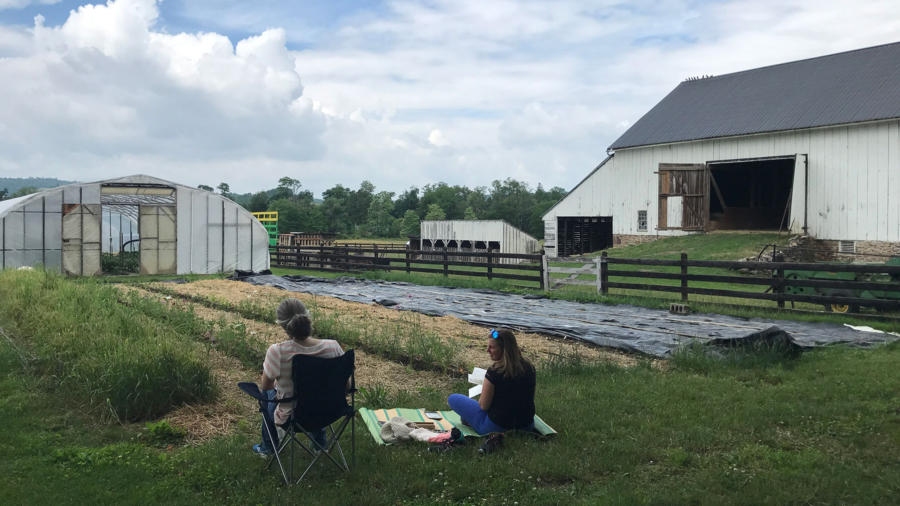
(164, 227)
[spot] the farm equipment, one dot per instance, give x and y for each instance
(841, 292)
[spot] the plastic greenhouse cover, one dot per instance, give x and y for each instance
(651, 331)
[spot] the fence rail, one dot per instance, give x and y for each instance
(608, 273)
(339, 258)
(779, 284)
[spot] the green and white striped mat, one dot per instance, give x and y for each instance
(449, 420)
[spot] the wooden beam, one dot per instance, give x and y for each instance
(712, 179)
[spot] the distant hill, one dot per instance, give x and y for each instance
(13, 184)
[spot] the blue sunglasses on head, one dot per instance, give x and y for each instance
(494, 334)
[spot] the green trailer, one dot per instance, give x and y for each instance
(842, 292)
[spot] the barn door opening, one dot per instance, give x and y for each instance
(683, 196)
(158, 239)
(81, 232)
(751, 194)
(583, 235)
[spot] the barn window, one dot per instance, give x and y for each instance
(466, 245)
(847, 247)
(439, 243)
(642, 221)
(426, 243)
(480, 245)
(493, 246)
(452, 245)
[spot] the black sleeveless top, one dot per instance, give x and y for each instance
(513, 403)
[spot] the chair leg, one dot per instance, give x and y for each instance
(340, 450)
(276, 456)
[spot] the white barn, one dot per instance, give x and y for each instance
(497, 236)
(811, 146)
(182, 230)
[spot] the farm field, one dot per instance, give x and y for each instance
(747, 429)
(715, 246)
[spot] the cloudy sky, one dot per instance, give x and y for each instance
(398, 92)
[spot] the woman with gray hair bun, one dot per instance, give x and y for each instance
(276, 379)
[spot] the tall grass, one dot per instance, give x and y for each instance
(404, 339)
(99, 352)
(229, 338)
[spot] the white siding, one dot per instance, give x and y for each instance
(511, 239)
(854, 179)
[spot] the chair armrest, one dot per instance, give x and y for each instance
(252, 389)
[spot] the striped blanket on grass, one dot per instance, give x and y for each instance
(449, 419)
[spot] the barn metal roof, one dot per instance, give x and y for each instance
(851, 87)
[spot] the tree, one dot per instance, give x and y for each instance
(3, 193)
(259, 202)
(21, 192)
(358, 204)
(224, 189)
(380, 223)
(407, 200)
(296, 216)
(410, 223)
(512, 201)
(206, 188)
(470, 214)
(336, 209)
(435, 213)
(452, 199)
(290, 184)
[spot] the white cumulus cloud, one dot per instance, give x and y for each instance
(106, 85)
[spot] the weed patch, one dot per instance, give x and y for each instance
(98, 352)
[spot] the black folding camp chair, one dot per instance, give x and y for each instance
(320, 391)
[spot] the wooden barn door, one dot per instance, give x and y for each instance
(683, 196)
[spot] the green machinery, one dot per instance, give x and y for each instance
(839, 292)
(270, 222)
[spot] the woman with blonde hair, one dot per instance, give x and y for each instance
(507, 397)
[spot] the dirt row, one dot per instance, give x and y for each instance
(222, 417)
(473, 337)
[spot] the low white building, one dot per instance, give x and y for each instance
(811, 146)
(181, 230)
(497, 236)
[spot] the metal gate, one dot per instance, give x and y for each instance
(81, 239)
(157, 226)
(683, 196)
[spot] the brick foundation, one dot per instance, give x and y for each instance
(620, 240)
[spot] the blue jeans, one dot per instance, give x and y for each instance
(469, 410)
(269, 420)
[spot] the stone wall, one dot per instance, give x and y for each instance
(864, 250)
(620, 240)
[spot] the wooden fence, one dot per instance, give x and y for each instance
(336, 258)
(777, 283)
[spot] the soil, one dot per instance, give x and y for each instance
(204, 422)
(536, 347)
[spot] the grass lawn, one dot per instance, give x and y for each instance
(748, 430)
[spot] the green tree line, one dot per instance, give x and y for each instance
(365, 212)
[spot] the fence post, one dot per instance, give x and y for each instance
(490, 265)
(446, 267)
(684, 283)
(407, 262)
(545, 273)
(603, 274)
(321, 256)
(779, 274)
